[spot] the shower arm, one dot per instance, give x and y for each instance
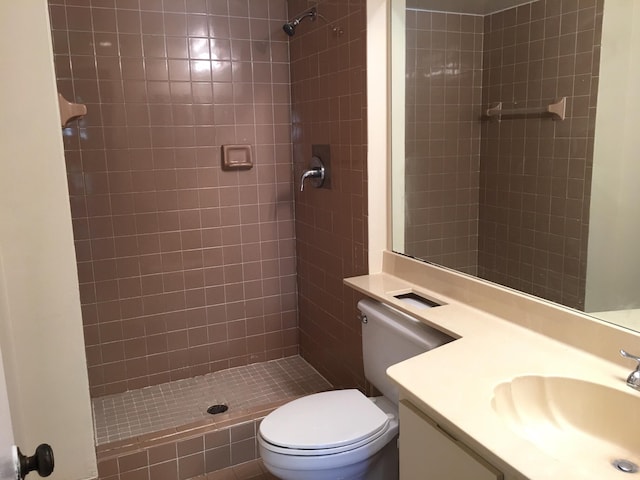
(290, 27)
(313, 13)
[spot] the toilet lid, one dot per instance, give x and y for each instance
(323, 420)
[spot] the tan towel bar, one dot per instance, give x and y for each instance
(69, 110)
(557, 109)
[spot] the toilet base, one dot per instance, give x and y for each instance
(383, 465)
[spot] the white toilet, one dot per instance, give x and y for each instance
(342, 434)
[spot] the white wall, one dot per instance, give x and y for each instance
(7, 464)
(40, 322)
(613, 263)
(378, 166)
(398, 63)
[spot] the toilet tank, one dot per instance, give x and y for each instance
(389, 337)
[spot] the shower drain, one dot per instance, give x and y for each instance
(213, 409)
(625, 466)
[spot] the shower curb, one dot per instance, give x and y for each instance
(196, 449)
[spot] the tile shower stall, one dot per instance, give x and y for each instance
(198, 284)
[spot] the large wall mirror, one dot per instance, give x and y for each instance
(516, 145)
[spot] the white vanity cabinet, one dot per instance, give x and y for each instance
(426, 451)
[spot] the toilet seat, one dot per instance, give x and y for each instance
(325, 423)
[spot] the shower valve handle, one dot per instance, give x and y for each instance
(316, 172)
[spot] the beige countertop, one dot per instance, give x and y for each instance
(454, 384)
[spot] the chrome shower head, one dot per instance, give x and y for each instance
(290, 27)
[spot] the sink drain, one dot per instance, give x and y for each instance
(625, 466)
(213, 409)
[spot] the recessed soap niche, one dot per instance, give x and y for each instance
(236, 157)
(417, 300)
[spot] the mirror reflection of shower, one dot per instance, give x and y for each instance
(290, 27)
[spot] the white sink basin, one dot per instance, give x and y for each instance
(585, 425)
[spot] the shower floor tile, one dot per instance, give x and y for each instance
(182, 402)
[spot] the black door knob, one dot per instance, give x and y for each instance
(41, 461)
